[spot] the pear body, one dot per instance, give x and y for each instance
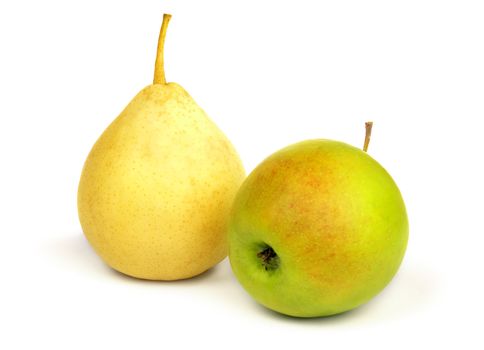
(157, 187)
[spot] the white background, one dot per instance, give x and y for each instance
(269, 73)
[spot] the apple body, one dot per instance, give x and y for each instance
(318, 228)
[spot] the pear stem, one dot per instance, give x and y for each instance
(368, 126)
(159, 77)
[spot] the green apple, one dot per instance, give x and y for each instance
(318, 228)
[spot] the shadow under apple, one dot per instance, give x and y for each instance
(409, 291)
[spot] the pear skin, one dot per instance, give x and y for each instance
(157, 187)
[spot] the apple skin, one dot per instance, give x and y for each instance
(335, 219)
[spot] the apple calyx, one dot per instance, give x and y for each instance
(270, 260)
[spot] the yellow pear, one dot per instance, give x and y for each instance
(157, 187)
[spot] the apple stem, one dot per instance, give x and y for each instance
(159, 77)
(368, 126)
